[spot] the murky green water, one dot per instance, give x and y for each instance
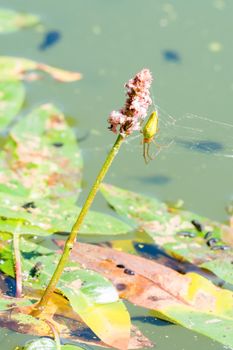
(109, 41)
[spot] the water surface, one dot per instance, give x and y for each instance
(188, 47)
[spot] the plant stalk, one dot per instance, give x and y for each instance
(17, 264)
(39, 308)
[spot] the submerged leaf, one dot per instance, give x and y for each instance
(189, 300)
(39, 344)
(11, 21)
(184, 235)
(12, 95)
(46, 344)
(17, 68)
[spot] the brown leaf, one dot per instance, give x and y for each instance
(145, 282)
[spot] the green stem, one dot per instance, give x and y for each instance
(17, 264)
(75, 229)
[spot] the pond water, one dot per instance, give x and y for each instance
(188, 47)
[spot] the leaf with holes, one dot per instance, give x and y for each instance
(43, 217)
(41, 156)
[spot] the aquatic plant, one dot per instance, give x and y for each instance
(132, 114)
(174, 264)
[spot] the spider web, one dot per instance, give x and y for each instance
(188, 133)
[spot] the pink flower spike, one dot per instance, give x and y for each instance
(129, 118)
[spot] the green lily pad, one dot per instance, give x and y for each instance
(12, 95)
(174, 229)
(20, 227)
(11, 21)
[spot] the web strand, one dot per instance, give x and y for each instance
(180, 135)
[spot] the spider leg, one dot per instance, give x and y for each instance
(158, 144)
(151, 157)
(159, 147)
(145, 152)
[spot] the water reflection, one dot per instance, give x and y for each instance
(155, 179)
(84, 333)
(150, 320)
(154, 252)
(171, 56)
(50, 39)
(205, 146)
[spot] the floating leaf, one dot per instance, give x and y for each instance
(21, 227)
(41, 155)
(221, 267)
(91, 296)
(43, 217)
(68, 326)
(12, 96)
(9, 303)
(17, 68)
(11, 21)
(189, 300)
(136, 207)
(175, 230)
(70, 347)
(96, 302)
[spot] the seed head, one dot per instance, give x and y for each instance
(130, 117)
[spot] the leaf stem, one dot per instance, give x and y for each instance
(17, 264)
(55, 334)
(39, 308)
